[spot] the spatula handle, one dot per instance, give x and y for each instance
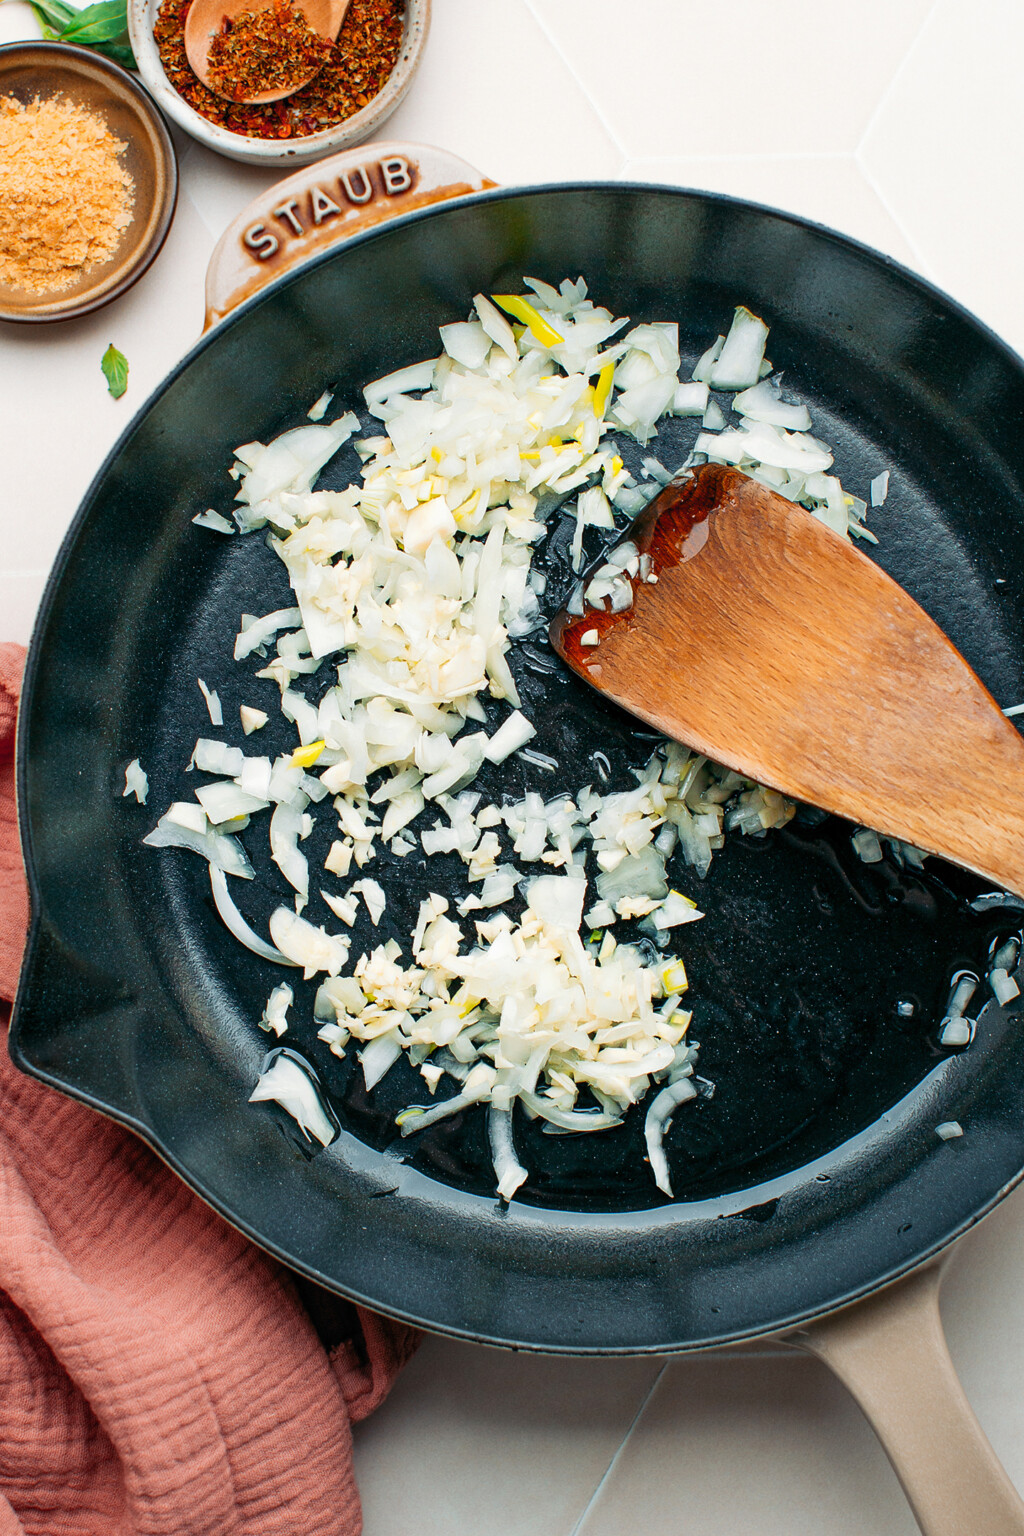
(890, 1352)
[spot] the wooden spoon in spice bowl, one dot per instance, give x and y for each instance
(252, 53)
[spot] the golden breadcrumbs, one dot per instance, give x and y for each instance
(65, 198)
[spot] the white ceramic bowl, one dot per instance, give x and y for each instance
(291, 152)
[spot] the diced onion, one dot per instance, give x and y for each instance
(212, 703)
(214, 521)
(236, 924)
(293, 1087)
(136, 782)
(659, 1118)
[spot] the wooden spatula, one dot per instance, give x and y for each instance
(773, 646)
(207, 17)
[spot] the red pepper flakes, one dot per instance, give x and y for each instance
(357, 69)
(270, 49)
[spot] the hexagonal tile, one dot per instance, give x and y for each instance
(493, 89)
(699, 79)
(947, 152)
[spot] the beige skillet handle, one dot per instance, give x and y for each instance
(324, 204)
(890, 1352)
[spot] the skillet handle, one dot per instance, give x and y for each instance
(324, 204)
(890, 1352)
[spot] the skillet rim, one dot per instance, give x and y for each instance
(145, 1131)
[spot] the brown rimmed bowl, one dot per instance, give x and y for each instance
(28, 70)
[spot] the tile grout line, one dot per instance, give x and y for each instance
(924, 266)
(613, 1463)
(752, 157)
(595, 107)
(897, 73)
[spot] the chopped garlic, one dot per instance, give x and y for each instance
(252, 719)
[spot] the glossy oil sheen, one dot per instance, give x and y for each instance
(813, 1171)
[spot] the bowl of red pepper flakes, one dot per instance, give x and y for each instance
(365, 75)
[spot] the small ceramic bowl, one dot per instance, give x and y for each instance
(28, 70)
(271, 152)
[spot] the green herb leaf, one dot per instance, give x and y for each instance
(53, 16)
(115, 371)
(102, 27)
(121, 53)
(100, 23)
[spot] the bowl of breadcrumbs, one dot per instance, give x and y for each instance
(88, 181)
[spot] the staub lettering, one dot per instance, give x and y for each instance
(327, 200)
(260, 241)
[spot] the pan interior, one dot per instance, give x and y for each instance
(798, 969)
(803, 1044)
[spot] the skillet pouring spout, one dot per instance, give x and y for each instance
(763, 639)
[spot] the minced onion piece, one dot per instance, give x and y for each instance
(214, 521)
(949, 1130)
(508, 1170)
(955, 1030)
(136, 782)
(217, 757)
(275, 1014)
(318, 409)
(705, 363)
(416, 376)
(675, 910)
(212, 703)
(189, 814)
(1004, 961)
(690, 399)
(539, 759)
(764, 402)
(259, 631)
(252, 719)
(218, 848)
(659, 1118)
(1004, 988)
(476, 1088)
(286, 827)
(223, 801)
(867, 846)
(374, 897)
(577, 1121)
(512, 734)
(236, 923)
(738, 365)
(303, 944)
(879, 489)
(295, 1089)
(379, 1057)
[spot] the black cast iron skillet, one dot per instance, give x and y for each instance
(812, 1175)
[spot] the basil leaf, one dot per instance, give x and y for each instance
(115, 371)
(100, 23)
(53, 16)
(121, 53)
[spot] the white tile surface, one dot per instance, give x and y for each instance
(508, 102)
(947, 153)
(722, 1442)
(682, 77)
(494, 1441)
(893, 120)
(831, 189)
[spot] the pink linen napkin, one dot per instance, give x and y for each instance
(159, 1376)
